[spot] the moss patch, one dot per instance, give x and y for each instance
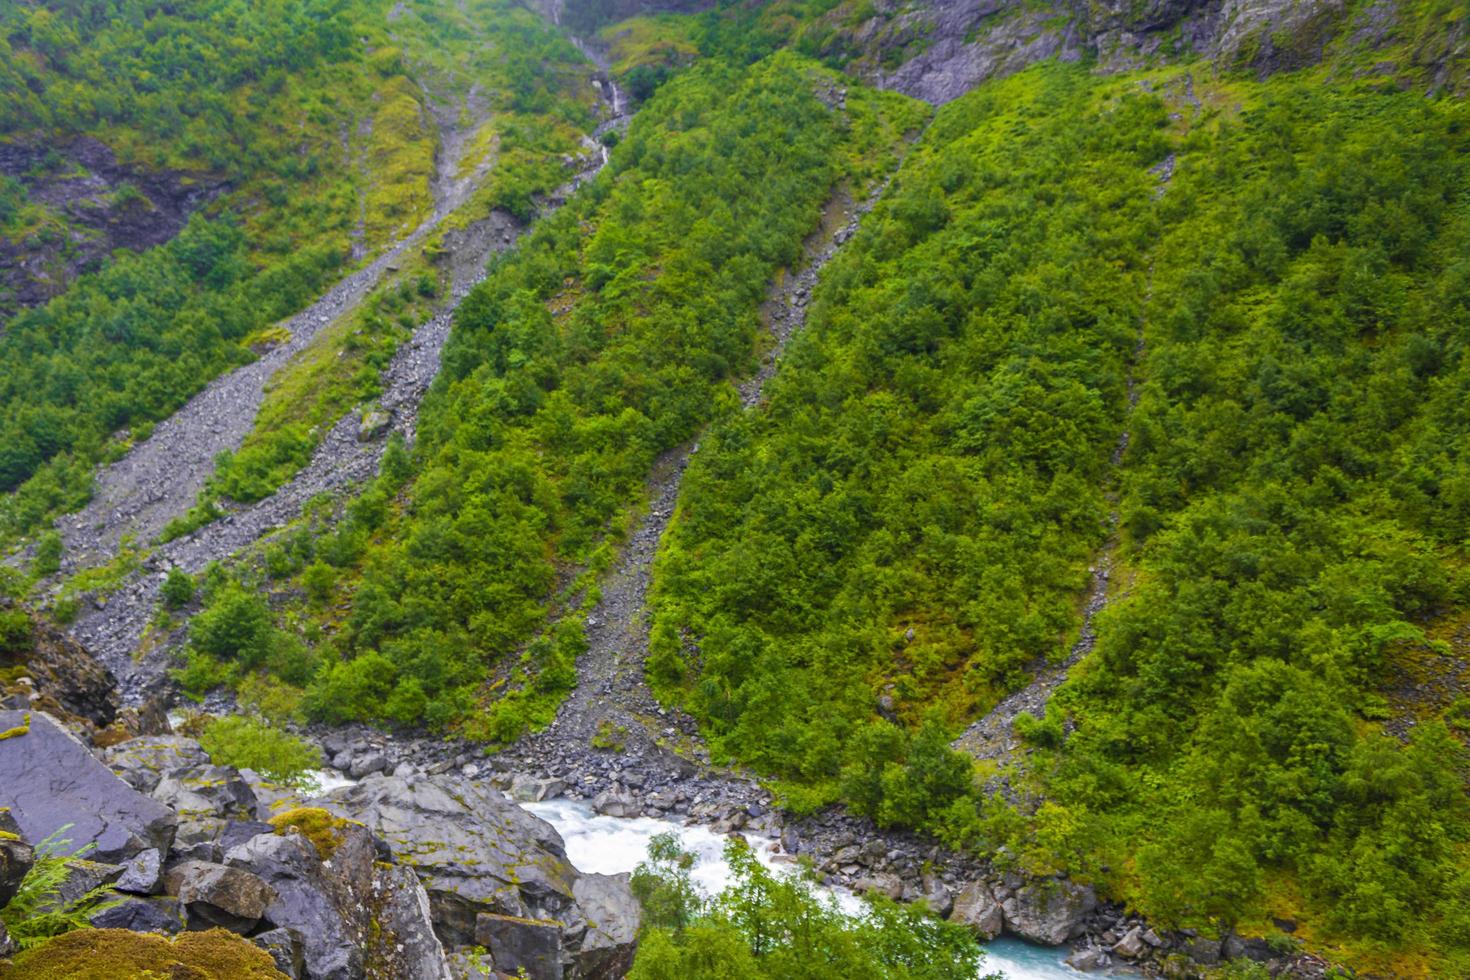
(107, 954)
(23, 728)
(322, 827)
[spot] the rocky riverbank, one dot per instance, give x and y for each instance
(421, 855)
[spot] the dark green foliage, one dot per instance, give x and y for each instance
(178, 588)
(914, 511)
(765, 925)
(15, 631)
(607, 338)
(911, 519)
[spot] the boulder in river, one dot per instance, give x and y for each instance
(49, 779)
(977, 907)
(1049, 911)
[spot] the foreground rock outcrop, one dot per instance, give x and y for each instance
(498, 877)
(50, 780)
(378, 881)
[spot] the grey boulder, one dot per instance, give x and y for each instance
(307, 901)
(218, 895)
(612, 916)
(474, 850)
(617, 802)
(1049, 911)
(143, 762)
(161, 915)
(530, 789)
(143, 874)
(49, 779)
(202, 793)
(975, 906)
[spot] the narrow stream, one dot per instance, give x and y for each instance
(611, 845)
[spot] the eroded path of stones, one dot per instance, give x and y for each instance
(162, 477)
(661, 757)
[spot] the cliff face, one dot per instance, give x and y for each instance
(937, 50)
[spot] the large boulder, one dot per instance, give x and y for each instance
(143, 762)
(977, 907)
(1049, 911)
(353, 915)
(49, 780)
(203, 793)
(488, 868)
(612, 916)
(474, 850)
(311, 901)
(404, 946)
(219, 895)
(521, 946)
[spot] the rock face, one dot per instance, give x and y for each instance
(65, 678)
(49, 779)
(480, 855)
(309, 901)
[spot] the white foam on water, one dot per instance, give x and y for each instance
(330, 779)
(613, 845)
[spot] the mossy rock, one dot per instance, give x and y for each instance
(322, 827)
(112, 954)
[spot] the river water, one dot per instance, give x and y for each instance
(611, 845)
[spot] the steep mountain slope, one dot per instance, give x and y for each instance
(1135, 403)
(911, 521)
(306, 129)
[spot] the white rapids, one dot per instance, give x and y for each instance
(612, 845)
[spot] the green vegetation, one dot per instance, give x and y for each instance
(607, 338)
(912, 518)
(302, 123)
(914, 511)
(246, 742)
(107, 954)
(38, 911)
(763, 925)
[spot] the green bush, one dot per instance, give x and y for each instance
(178, 589)
(15, 632)
(252, 743)
(768, 926)
(235, 627)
